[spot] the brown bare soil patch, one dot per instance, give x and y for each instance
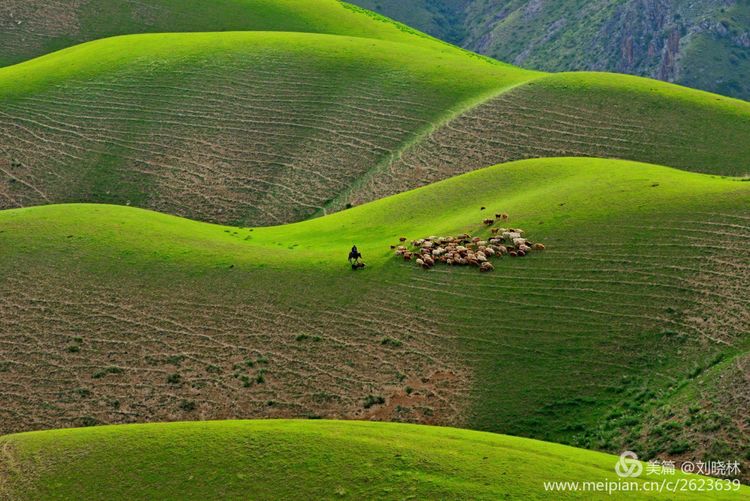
(96, 354)
(27, 26)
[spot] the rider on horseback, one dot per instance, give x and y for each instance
(355, 258)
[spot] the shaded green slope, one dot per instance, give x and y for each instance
(30, 28)
(227, 127)
(266, 128)
(445, 207)
(297, 459)
(131, 315)
(713, 410)
(577, 114)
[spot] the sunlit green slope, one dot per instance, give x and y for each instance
(300, 459)
(576, 114)
(30, 28)
(642, 288)
(265, 128)
(239, 128)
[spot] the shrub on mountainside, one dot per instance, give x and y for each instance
(372, 400)
(108, 370)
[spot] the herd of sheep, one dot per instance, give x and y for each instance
(465, 250)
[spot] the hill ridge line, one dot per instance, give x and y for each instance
(311, 34)
(396, 155)
(417, 33)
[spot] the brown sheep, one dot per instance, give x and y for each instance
(504, 216)
(489, 222)
(402, 239)
(494, 230)
(538, 247)
(407, 256)
(486, 267)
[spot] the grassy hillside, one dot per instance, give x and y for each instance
(253, 113)
(116, 315)
(718, 58)
(329, 460)
(268, 128)
(31, 28)
(226, 127)
(702, 44)
(577, 114)
(713, 411)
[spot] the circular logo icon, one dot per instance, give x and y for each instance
(628, 465)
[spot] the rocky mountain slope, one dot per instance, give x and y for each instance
(703, 44)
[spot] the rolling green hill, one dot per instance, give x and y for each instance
(257, 127)
(250, 114)
(700, 44)
(300, 459)
(31, 28)
(267, 128)
(581, 115)
(117, 315)
(703, 44)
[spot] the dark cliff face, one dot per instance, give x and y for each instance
(639, 31)
(643, 37)
(701, 43)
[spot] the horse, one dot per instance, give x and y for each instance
(354, 258)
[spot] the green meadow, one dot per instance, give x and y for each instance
(181, 183)
(311, 459)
